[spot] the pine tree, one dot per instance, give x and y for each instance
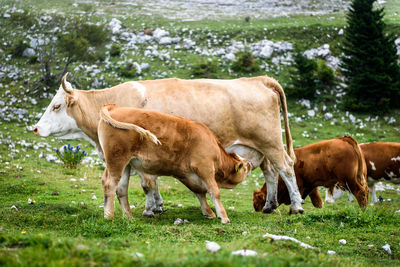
(370, 62)
(304, 77)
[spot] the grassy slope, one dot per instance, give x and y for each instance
(56, 231)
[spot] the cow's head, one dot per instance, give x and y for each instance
(55, 121)
(259, 197)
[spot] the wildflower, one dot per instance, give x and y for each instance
(23, 233)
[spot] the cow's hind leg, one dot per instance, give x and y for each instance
(159, 207)
(122, 192)
(148, 185)
(284, 165)
(271, 179)
(205, 208)
(360, 192)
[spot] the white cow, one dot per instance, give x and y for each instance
(244, 114)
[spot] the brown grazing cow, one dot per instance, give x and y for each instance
(383, 163)
(326, 163)
(160, 144)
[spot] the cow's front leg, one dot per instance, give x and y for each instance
(122, 192)
(109, 183)
(205, 208)
(271, 179)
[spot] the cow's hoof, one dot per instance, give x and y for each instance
(293, 210)
(148, 214)
(225, 221)
(159, 209)
(268, 210)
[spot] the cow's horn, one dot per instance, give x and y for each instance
(64, 86)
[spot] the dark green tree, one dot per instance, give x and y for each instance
(370, 61)
(303, 77)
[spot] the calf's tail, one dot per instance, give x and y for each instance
(106, 117)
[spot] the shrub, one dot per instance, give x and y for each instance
(128, 70)
(115, 50)
(24, 19)
(94, 34)
(71, 157)
(325, 74)
(18, 48)
(245, 62)
(205, 69)
(75, 47)
(303, 77)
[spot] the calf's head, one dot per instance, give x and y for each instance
(56, 121)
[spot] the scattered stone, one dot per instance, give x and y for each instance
(13, 207)
(31, 201)
(212, 246)
(115, 25)
(245, 252)
(387, 249)
(284, 237)
(343, 241)
(331, 252)
(28, 52)
(94, 197)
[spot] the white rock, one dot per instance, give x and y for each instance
(144, 66)
(28, 52)
(230, 56)
(158, 33)
(188, 44)
(328, 116)
(115, 26)
(212, 246)
(30, 201)
(245, 252)
(397, 211)
(341, 32)
(266, 51)
(72, 180)
(165, 41)
(343, 241)
(178, 221)
(331, 252)
(13, 207)
(387, 249)
(311, 113)
(284, 237)
(94, 197)
(132, 206)
(137, 255)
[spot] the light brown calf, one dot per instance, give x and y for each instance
(326, 163)
(159, 144)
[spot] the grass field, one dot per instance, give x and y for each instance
(65, 225)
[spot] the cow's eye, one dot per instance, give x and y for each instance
(56, 107)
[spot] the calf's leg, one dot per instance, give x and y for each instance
(122, 192)
(110, 182)
(205, 208)
(316, 198)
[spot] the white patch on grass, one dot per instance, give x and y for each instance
(284, 237)
(212, 246)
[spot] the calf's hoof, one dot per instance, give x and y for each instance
(148, 214)
(294, 210)
(210, 216)
(225, 221)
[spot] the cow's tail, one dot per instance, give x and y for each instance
(106, 117)
(272, 83)
(361, 162)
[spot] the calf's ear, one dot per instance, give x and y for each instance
(238, 166)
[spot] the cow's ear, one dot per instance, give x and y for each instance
(69, 100)
(238, 166)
